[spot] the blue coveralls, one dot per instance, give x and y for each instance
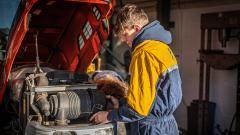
(155, 85)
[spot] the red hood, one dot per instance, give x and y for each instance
(70, 34)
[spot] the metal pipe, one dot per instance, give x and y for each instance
(39, 70)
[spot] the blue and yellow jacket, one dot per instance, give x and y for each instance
(155, 84)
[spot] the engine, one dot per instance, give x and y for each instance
(58, 102)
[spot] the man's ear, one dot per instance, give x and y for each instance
(137, 27)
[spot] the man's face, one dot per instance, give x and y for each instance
(128, 35)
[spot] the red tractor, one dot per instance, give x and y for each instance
(44, 87)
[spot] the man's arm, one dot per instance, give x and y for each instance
(141, 93)
(122, 113)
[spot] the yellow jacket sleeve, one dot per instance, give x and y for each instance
(144, 75)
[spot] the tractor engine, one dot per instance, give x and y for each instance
(57, 102)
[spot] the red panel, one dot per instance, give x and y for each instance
(58, 61)
(69, 45)
(74, 63)
(58, 26)
(89, 52)
(15, 40)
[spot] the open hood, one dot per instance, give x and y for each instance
(68, 33)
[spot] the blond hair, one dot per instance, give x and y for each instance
(129, 15)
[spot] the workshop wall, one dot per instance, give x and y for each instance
(186, 43)
(148, 5)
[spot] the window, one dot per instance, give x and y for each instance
(87, 30)
(96, 12)
(80, 42)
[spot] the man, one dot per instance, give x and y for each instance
(155, 85)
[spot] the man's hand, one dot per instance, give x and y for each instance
(100, 117)
(114, 101)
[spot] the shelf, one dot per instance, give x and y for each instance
(220, 60)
